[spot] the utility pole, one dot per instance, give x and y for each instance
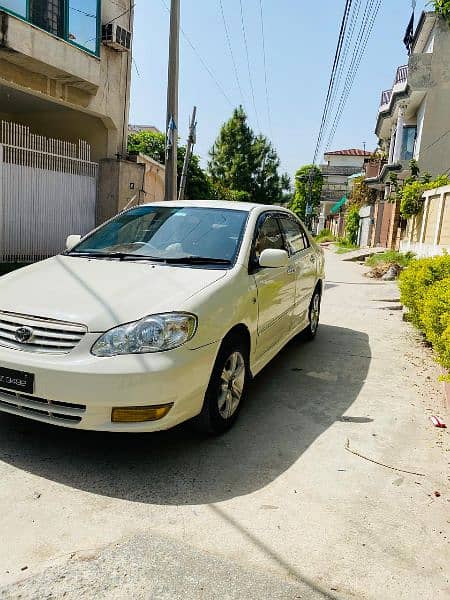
(192, 138)
(309, 207)
(170, 192)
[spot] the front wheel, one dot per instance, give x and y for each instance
(314, 315)
(227, 388)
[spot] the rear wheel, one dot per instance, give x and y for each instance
(227, 388)
(314, 316)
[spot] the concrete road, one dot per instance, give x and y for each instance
(277, 508)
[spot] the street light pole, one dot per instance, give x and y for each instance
(170, 192)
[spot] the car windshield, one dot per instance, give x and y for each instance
(177, 234)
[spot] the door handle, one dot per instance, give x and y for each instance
(312, 258)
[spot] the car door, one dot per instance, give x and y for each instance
(275, 286)
(304, 258)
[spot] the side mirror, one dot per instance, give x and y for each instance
(273, 258)
(72, 240)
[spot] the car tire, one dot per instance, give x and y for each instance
(227, 387)
(314, 315)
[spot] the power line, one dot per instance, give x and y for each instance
(351, 73)
(269, 112)
(248, 63)
(121, 14)
(367, 25)
(203, 62)
(230, 48)
(348, 41)
(331, 82)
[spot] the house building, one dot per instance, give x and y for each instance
(65, 69)
(139, 128)
(337, 167)
(413, 122)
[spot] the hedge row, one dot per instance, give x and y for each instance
(425, 291)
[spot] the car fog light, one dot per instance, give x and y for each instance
(139, 414)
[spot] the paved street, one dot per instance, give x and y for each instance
(277, 508)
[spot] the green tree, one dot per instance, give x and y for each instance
(153, 144)
(242, 162)
(443, 8)
(308, 187)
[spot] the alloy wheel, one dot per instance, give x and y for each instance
(314, 313)
(232, 382)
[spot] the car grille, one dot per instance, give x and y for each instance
(37, 408)
(48, 336)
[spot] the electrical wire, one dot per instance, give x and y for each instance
(230, 48)
(348, 41)
(331, 82)
(269, 112)
(351, 70)
(367, 25)
(244, 33)
(203, 62)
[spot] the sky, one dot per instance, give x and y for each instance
(300, 41)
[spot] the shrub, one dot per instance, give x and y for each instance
(411, 200)
(352, 224)
(416, 280)
(436, 319)
(390, 257)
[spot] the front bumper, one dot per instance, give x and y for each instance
(78, 390)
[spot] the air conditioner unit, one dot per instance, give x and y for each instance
(116, 37)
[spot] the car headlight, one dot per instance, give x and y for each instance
(155, 333)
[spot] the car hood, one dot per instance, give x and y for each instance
(100, 293)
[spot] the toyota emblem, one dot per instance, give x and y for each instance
(23, 334)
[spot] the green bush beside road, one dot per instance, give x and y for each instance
(425, 291)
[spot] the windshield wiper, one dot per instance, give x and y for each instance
(182, 260)
(118, 255)
(198, 260)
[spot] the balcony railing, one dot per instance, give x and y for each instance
(385, 97)
(402, 74)
(400, 77)
(339, 170)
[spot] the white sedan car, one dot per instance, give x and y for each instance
(161, 315)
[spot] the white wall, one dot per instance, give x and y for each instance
(343, 161)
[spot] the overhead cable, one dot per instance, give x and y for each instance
(230, 48)
(252, 89)
(331, 82)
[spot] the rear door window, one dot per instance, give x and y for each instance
(294, 234)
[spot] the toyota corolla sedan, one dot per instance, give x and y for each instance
(161, 315)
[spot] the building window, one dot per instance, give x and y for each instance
(83, 23)
(19, 7)
(76, 21)
(48, 15)
(408, 141)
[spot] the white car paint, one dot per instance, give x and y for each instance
(271, 303)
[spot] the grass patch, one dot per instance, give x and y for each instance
(325, 236)
(8, 267)
(390, 257)
(343, 245)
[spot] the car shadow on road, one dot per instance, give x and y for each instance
(306, 389)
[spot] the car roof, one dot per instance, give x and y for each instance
(222, 204)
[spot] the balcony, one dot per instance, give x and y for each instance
(400, 84)
(29, 48)
(402, 75)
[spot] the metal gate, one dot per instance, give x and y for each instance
(48, 190)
